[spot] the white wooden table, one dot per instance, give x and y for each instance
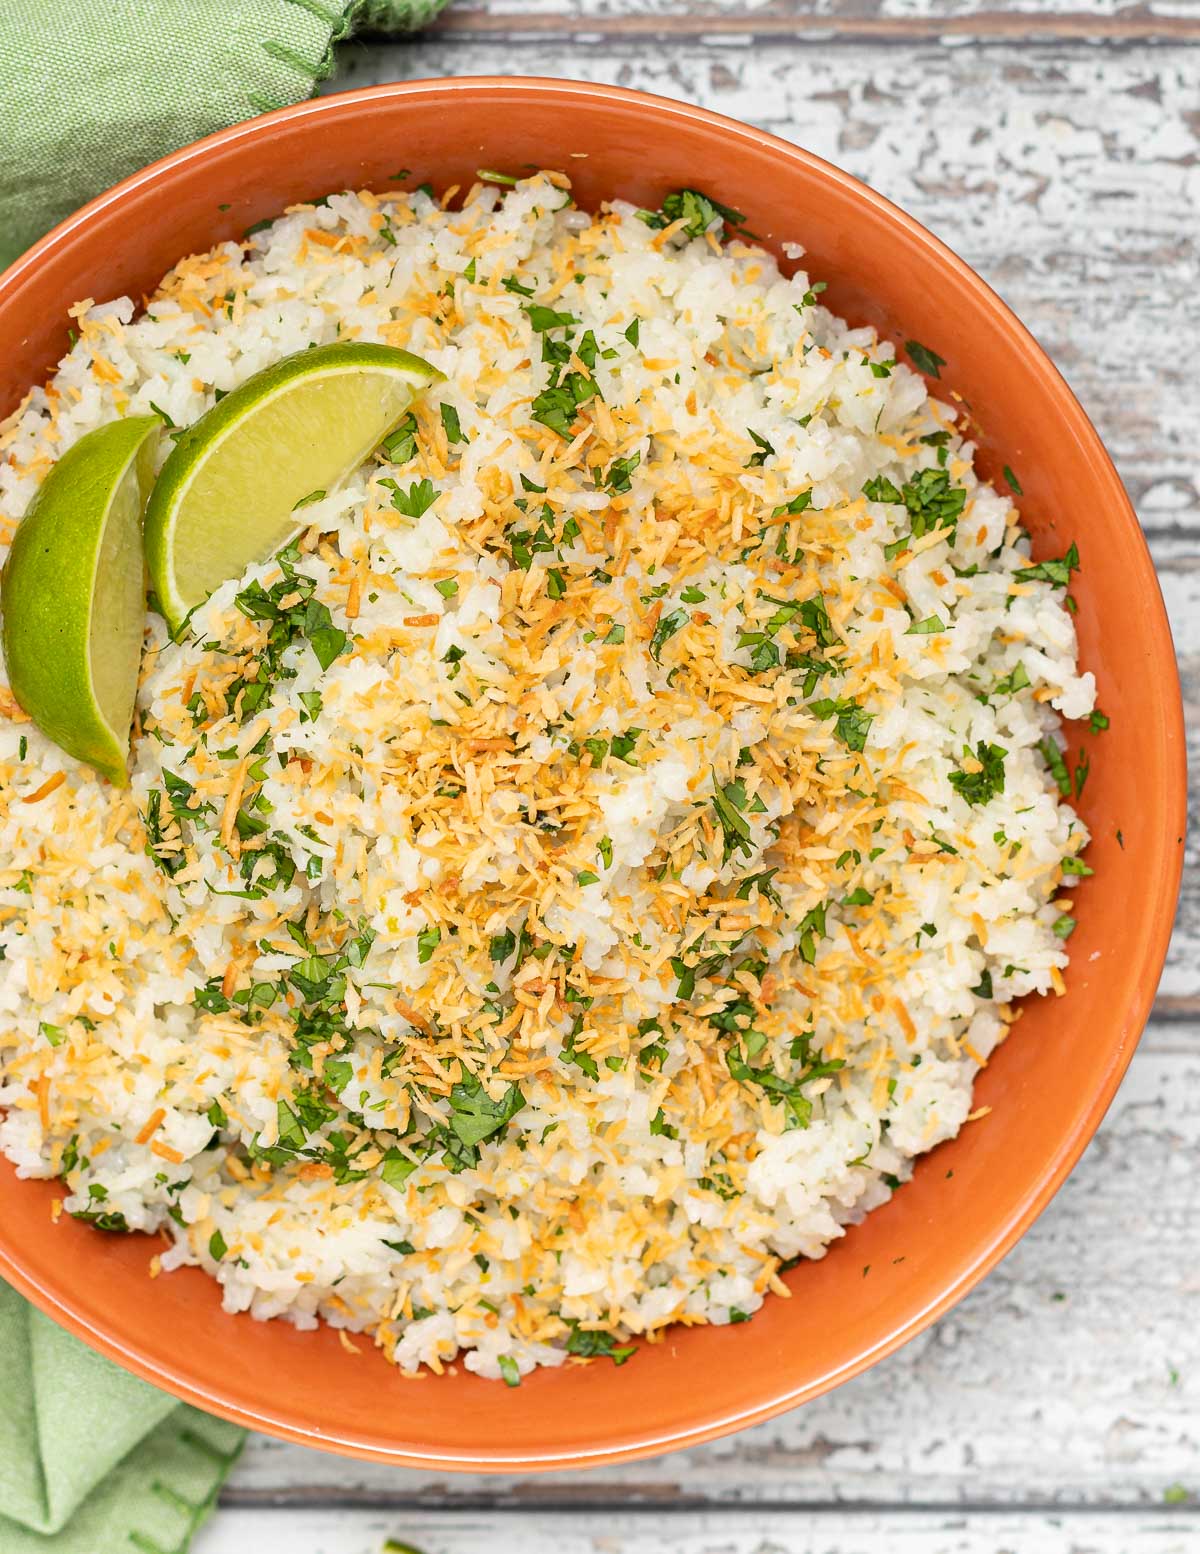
(1056, 146)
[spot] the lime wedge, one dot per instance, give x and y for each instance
(74, 594)
(227, 495)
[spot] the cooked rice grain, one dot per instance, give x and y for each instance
(637, 893)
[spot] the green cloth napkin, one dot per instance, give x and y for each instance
(92, 90)
(93, 1461)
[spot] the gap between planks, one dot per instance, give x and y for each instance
(781, 25)
(622, 1532)
(637, 1501)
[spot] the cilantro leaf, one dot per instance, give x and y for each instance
(619, 475)
(400, 444)
(853, 722)
(418, 499)
(666, 628)
(452, 425)
(475, 1116)
(926, 360)
(977, 787)
(1054, 760)
(881, 489)
(698, 211)
(543, 318)
(1056, 570)
(589, 1344)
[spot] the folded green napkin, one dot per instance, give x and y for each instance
(93, 1461)
(91, 90)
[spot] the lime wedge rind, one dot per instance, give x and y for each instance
(73, 595)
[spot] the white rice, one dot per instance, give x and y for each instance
(442, 794)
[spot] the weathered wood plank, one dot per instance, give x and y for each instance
(1178, 563)
(760, 1532)
(796, 21)
(1147, 13)
(1069, 1376)
(1064, 176)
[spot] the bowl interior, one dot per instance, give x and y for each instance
(1046, 1088)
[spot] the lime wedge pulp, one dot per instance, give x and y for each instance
(74, 595)
(227, 495)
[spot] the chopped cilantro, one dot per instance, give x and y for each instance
(210, 998)
(400, 445)
(978, 787)
(927, 361)
(667, 626)
(396, 1168)
(853, 723)
(581, 1060)
(697, 211)
(475, 1116)
(932, 502)
(798, 504)
(102, 1219)
(590, 1344)
(543, 318)
(619, 475)
(1017, 680)
(729, 802)
(881, 489)
(1057, 765)
(763, 452)
(418, 499)
(452, 425)
(1057, 570)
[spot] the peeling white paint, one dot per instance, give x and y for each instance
(1069, 176)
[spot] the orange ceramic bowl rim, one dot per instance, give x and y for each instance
(699, 1383)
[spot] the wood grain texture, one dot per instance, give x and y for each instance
(788, 21)
(887, 21)
(1066, 178)
(709, 1532)
(1068, 1376)
(1055, 1410)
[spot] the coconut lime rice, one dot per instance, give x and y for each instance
(584, 870)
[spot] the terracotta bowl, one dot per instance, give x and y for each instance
(1047, 1088)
